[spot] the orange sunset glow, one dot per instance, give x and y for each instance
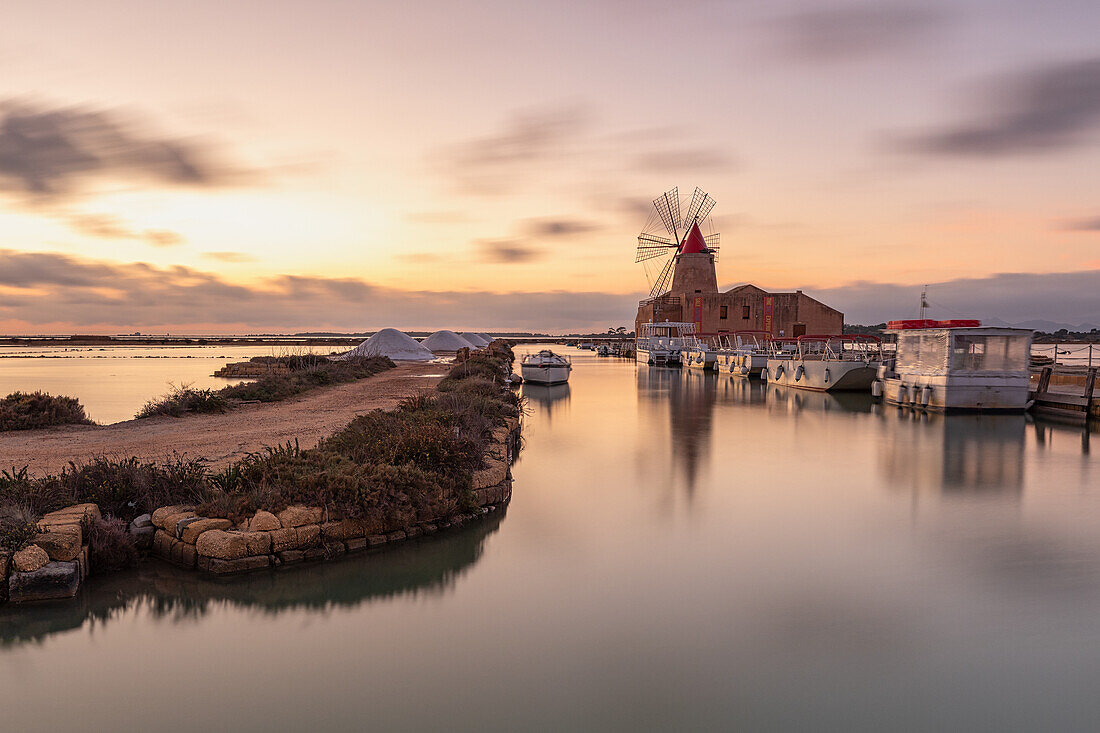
(255, 167)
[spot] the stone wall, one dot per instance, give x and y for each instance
(56, 563)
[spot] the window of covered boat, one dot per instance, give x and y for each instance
(922, 352)
(989, 353)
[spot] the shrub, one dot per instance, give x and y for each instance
(110, 546)
(183, 399)
(17, 526)
(30, 410)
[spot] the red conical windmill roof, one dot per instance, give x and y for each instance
(693, 242)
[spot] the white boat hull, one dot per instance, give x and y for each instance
(949, 393)
(699, 358)
(822, 376)
(545, 374)
(669, 357)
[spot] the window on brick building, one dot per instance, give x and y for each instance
(745, 312)
(724, 312)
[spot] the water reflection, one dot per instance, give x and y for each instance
(953, 453)
(791, 400)
(691, 395)
(431, 565)
(549, 398)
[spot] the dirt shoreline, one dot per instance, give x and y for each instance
(219, 438)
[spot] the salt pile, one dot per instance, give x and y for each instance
(488, 339)
(446, 341)
(392, 343)
(475, 339)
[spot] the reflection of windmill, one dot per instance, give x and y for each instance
(684, 236)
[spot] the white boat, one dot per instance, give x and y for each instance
(663, 343)
(545, 367)
(744, 353)
(698, 353)
(956, 366)
(828, 363)
(603, 350)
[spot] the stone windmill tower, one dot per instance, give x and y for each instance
(689, 255)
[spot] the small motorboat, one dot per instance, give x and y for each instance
(545, 367)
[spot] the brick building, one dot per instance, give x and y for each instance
(694, 297)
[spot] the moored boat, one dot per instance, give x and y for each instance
(956, 366)
(744, 353)
(663, 343)
(545, 367)
(828, 363)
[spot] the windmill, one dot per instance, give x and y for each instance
(667, 235)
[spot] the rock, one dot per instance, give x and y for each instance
(376, 539)
(290, 557)
(395, 536)
(183, 554)
(236, 565)
(172, 522)
(60, 543)
(333, 549)
(232, 545)
(296, 516)
(264, 522)
(492, 475)
(314, 553)
(344, 529)
(82, 514)
(143, 536)
(284, 539)
(29, 559)
(355, 544)
(160, 516)
(49, 582)
(193, 529)
(145, 520)
(162, 544)
(309, 535)
(429, 528)
(413, 532)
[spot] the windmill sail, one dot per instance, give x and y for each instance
(651, 245)
(663, 279)
(712, 244)
(668, 208)
(700, 206)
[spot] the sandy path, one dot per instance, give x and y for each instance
(219, 438)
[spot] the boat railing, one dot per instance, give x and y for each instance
(846, 347)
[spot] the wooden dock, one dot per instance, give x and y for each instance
(1066, 395)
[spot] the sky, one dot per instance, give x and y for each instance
(248, 166)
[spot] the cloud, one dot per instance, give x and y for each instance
(507, 251)
(1049, 108)
(853, 31)
(683, 160)
(437, 217)
(1068, 297)
(1082, 225)
(51, 153)
(493, 164)
(229, 256)
(106, 226)
(560, 227)
(54, 292)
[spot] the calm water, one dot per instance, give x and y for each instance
(681, 552)
(114, 382)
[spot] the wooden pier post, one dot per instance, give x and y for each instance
(1044, 380)
(1090, 384)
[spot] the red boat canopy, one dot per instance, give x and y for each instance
(926, 323)
(693, 242)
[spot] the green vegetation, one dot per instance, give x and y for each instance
(30, 410)
(306, 372)
(389, 468)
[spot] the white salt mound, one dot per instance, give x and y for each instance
(475, 339)
(392, 343)
(488, 339)
(446, 341)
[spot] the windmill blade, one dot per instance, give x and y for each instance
(701, 205)
(712, 244)
(668, 208)
(650, 246)
(663, 278)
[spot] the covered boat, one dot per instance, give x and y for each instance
(957, 366)
(545, 367)
(663, 343)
